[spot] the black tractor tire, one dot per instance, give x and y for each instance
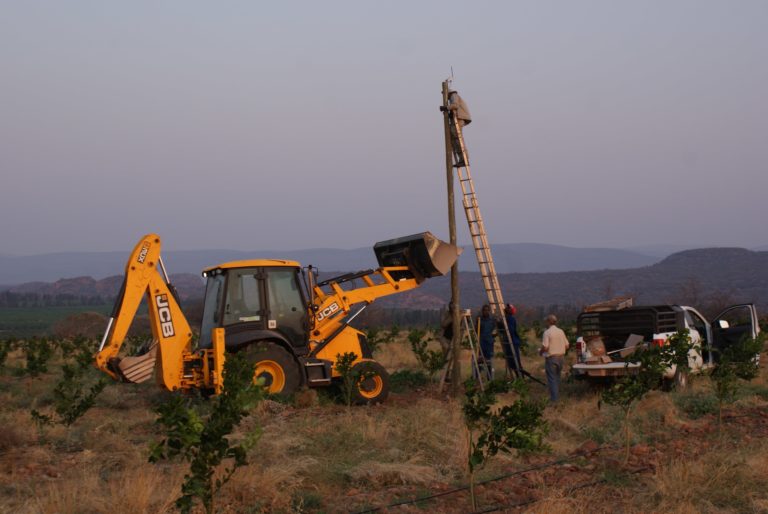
(373, 386)
(275, 366)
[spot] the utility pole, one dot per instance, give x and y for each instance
(456, 341)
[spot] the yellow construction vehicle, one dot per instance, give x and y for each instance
(291, 327)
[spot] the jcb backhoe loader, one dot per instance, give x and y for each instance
(290, 327)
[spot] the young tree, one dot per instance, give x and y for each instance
(490, 429)
(676, 352)
(76, 392)
(205, 443)
(633, 386)
(37, 352)
(653, 362)
(354, 377)
(737, 362)
(431, 360)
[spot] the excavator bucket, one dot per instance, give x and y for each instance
(425, 255)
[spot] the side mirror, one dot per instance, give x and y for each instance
(722, 324)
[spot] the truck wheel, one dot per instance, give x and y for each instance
(275, 366)
(373, 385)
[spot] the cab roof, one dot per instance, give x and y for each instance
(254, 263)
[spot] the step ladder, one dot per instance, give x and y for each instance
(480, 238)
(468, 333)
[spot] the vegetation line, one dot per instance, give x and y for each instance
(488, 480)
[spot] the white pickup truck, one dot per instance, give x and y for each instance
(617, 332)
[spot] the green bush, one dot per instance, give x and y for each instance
(405, 379)
(736, 364)
(80, 384)
(490, 429)
(431, 361)
(696, 405)
(37, 353)
(205, 442)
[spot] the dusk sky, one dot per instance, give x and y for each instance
(254, 125)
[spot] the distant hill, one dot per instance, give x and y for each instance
(517, 257)
(694, 277)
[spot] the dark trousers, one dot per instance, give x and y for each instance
(508, 349)
(486, 358)
(553, 365)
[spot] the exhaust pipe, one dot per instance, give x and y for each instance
(425, 256)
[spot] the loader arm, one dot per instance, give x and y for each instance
(334, 305)
(143, 279)
(404, 263)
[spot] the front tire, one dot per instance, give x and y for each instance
(372, 386)
(275, 366)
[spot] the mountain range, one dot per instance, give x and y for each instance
(703, 277)
(509, 258)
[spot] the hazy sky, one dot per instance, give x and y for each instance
(256, 125)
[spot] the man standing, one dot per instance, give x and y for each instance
(553, 347)
(509, 314)
(486, 328)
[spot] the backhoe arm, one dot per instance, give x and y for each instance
(170, 328)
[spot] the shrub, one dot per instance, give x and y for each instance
(204, 443)
(405, 379)
(76, 392)
(737, 362)
(635, 384)
(37, 353)
(696, 405)
(431, 361)
(6, 347)
(490, 430)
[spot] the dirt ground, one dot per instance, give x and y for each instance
(324, 457)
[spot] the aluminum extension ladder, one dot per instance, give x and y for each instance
(480, 239)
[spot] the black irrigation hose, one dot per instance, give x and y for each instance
(501, 477)
(533, 500)
(568, 491)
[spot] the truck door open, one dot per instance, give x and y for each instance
(733, 324)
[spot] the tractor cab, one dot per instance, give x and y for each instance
(253, 300)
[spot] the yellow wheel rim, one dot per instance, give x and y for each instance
(371, 387)
(270, 370)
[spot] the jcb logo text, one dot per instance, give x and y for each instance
(164, 315)
(332, 308)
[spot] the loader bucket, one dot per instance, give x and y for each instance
(425, 255)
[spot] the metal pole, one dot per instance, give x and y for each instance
(456, 342)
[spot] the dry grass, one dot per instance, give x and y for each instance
(327, 458)
(723, 480)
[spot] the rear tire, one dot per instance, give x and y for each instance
(373, 387)
(275, 366)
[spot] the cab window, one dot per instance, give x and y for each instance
(286, 304)
(243, 298)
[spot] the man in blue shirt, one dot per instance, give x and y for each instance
(509, 314)
(486, 330)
